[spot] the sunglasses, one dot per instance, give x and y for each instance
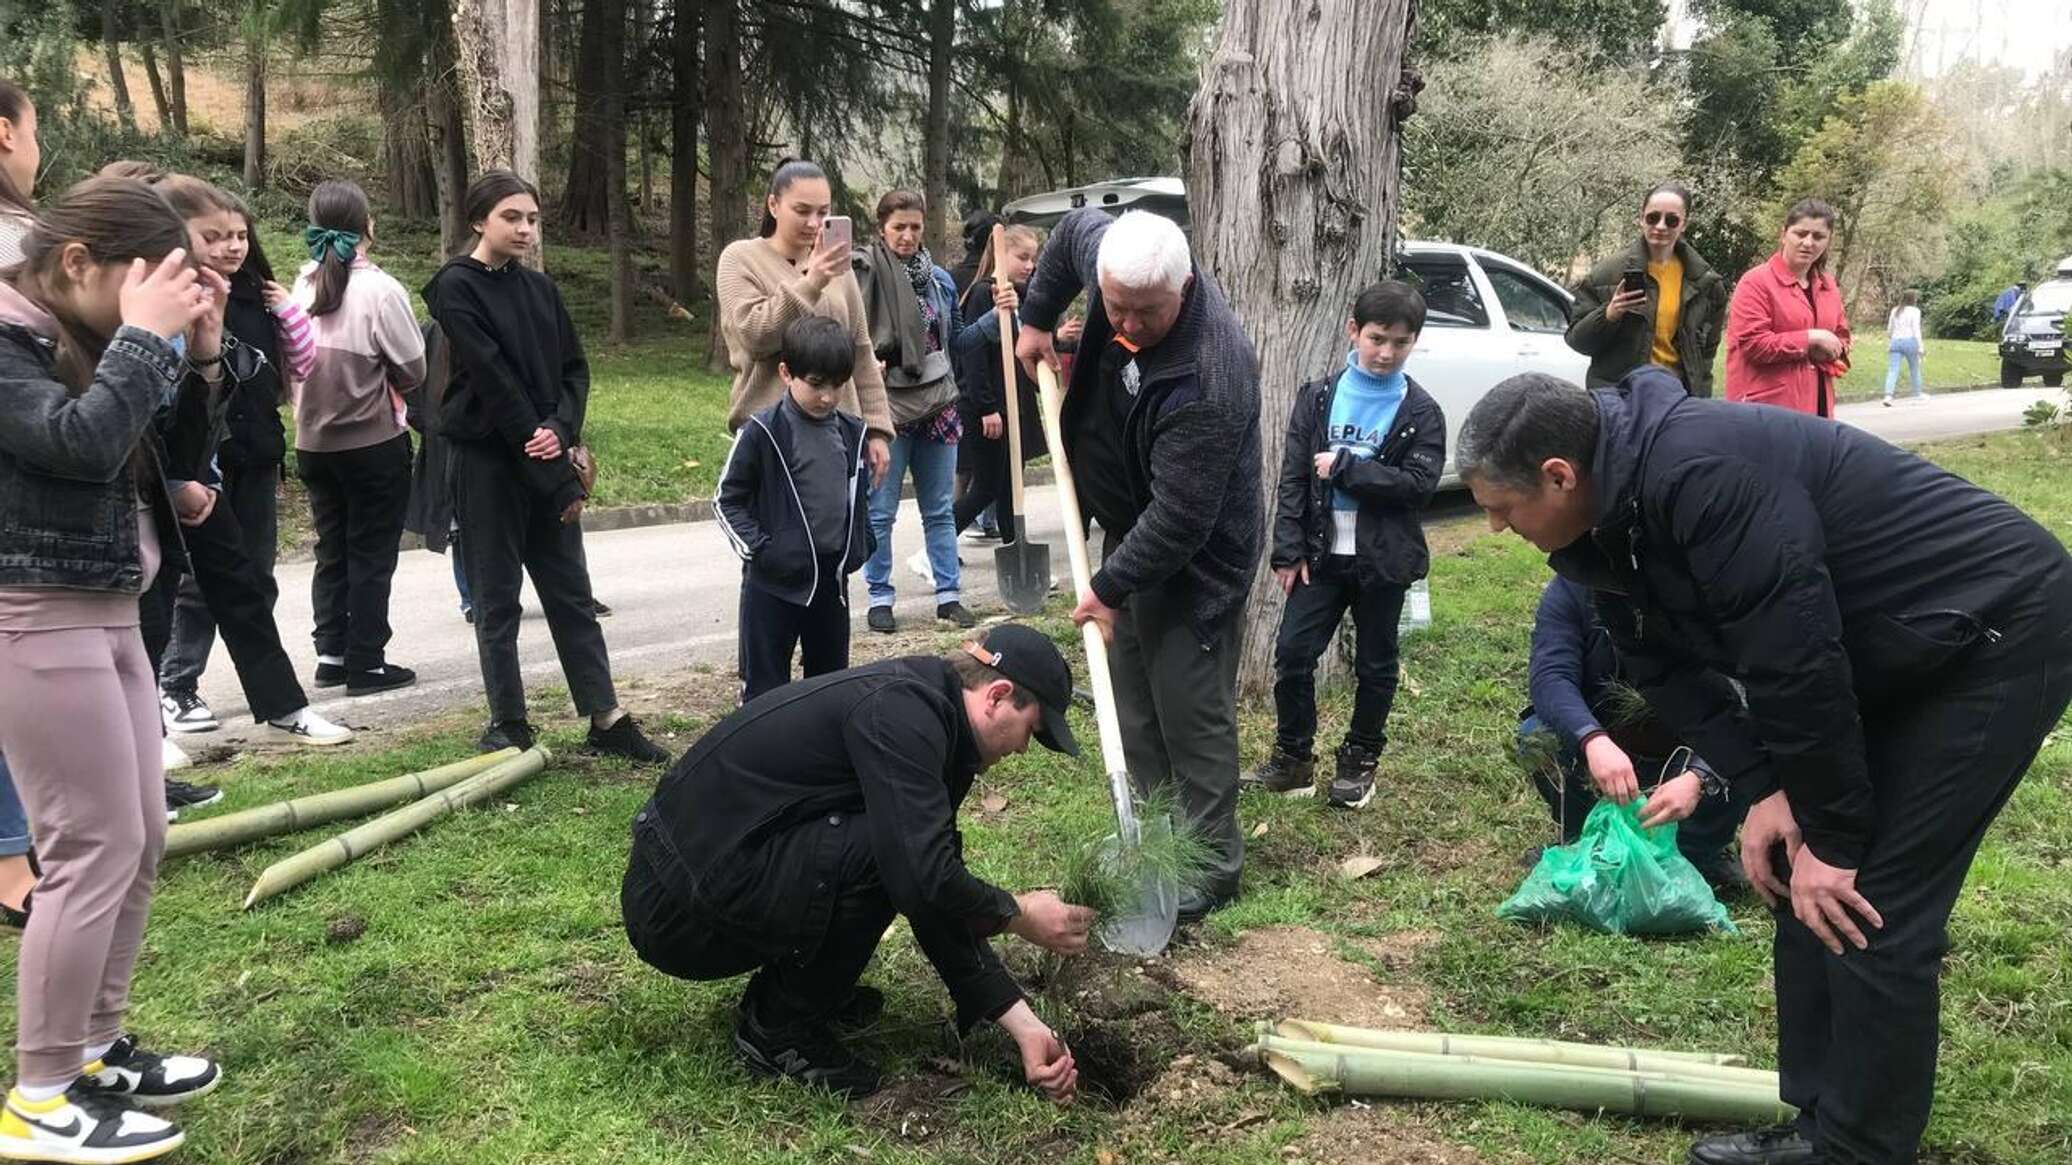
(1662, 218)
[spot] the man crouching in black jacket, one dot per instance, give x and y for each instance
(785, 841)
(1904, 642)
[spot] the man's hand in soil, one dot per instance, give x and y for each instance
(1046, 1062)
(1051, 923)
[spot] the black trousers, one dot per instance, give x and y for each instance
(800, 979)
(1178, 707)
(252, 494)
(991, 484)
(1856, 1033)
(357, 499)
(771, 628)
(1307, 625)
(506, 533)
(239, 596)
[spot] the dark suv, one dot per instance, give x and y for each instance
(2033, 342)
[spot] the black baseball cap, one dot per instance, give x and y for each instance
(1028, 657)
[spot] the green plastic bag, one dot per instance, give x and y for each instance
(1619, 878)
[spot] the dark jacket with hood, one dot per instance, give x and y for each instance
(254, 437)
(517, 364)
(762, 510)
(1833, 576)
(740, 826)
(1618, 347)
(1191, 437)
(1393, 487)
(69, 474)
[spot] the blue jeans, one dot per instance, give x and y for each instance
(1910, 352)
(935, 488)
(14, 823)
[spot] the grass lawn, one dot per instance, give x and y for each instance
(492, 1011)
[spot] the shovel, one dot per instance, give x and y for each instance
(1144, 930)
(1024, 565)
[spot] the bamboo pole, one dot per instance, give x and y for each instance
(291, 872)
(1313, 1068)
(1705, 1065)
(320, 808)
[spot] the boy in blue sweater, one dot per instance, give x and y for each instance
(793, 503)
(1364, 453)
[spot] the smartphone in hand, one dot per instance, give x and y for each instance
(1631, 280)
(838, 228)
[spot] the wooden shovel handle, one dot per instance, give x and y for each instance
(1008, 379)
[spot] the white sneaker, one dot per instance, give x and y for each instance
(176, 758)
(87, 1129)
(306, 727)
(186, 712)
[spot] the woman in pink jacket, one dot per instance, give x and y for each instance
(1787, 340)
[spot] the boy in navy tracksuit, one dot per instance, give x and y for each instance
(1365, 450)
(794, 503)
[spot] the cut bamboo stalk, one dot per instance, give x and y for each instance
(1314, 1068)
(291, 872)
(1704, 1065)
(266, 821)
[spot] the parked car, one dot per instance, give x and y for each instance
(2032, 342)
(1488, 317)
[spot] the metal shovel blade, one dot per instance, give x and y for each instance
(1024, 571)
(1144, 931)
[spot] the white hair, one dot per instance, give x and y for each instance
(1144, 251)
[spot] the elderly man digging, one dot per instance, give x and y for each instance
(1161, 427)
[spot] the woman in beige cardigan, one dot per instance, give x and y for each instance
(785, 273)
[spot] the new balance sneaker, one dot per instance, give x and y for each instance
(881, 620)
(807, 1053)
(861, 1009)
(503, 734)
(624, 739)
(175, 758)
(304, 726)
(180, 795)
(1284, 774)
(386, 678)
(1352, 786)
(128, 1073)
(332, 675)
(86, 1129)
(186, 712)
(954, 614)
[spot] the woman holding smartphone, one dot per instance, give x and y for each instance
(1656, 302)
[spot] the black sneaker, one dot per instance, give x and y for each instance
(598, 608)
(332, 675)
(1353, 785)
(807, 1053)
(78, 1127)
(624, 739)
(1284, 774)
(503, 734)
(881, 620)
(955, 613)
(186, 711)
(18, 919)
(130, 1074)
(1199, 904)
(1780, 1145)
(386, 678)
(181, 795)
(860, 1010)
(467, 615)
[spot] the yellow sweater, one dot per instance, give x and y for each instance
(1668, 302)
(758, 293)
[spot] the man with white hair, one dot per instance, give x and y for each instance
(1161, 426)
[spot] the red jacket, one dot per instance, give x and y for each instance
(1766, 339)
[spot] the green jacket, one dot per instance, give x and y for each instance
(1617, 348)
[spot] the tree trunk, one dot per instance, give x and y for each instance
(643, 19)
(1293, 177)
(617, 227)
(585, 205)
(726, 125)
(175, 64)
(935, 161)
(442, 101)
(498, 42)
(158, 97)
(255, 114)
(407, 154)
(683, 155)
(111, 46)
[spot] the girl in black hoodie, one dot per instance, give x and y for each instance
(513, 410)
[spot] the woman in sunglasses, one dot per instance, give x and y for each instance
(1656, 302)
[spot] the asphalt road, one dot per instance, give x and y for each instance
(675, 588)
